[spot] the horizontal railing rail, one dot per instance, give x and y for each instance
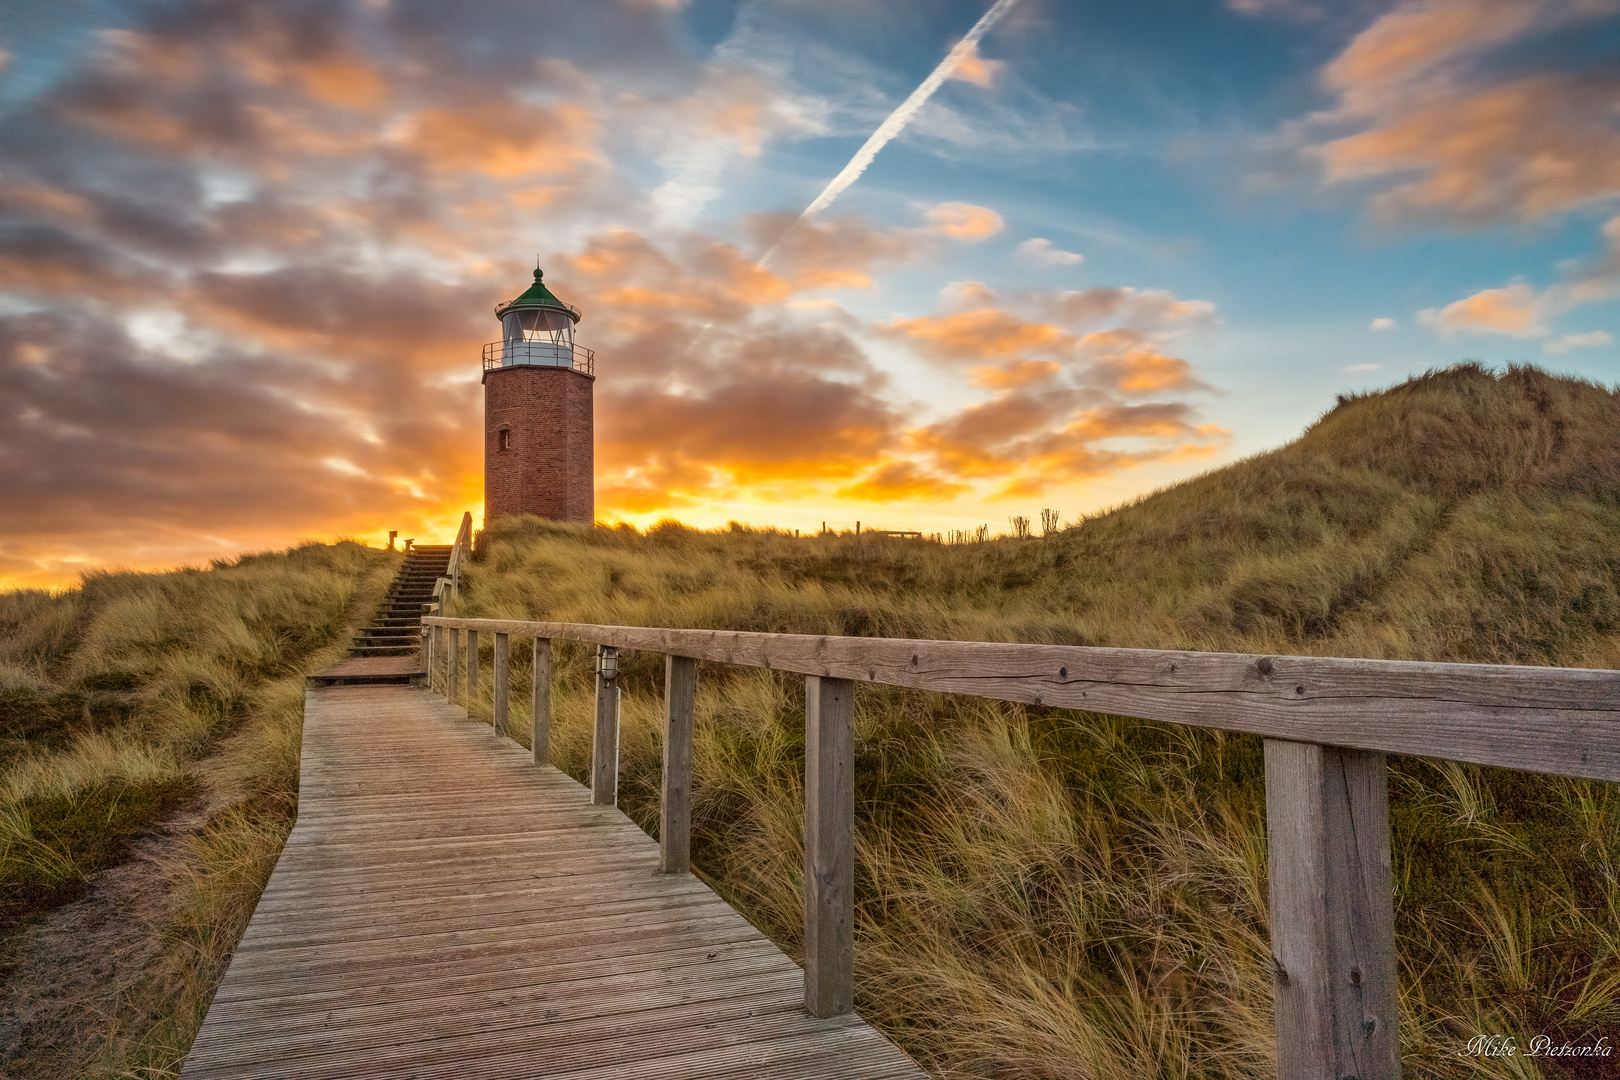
(1327, 723)
(500, 354)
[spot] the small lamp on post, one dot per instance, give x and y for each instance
(605, 739)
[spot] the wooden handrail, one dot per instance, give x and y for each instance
(1327, 723)
(1564, 721)
(459, 551)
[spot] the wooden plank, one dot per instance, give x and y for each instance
(472, 671)
(1564, 721)
(1332, 913)
(540, 734)
(605, 742)
(445, 909)
(829, 846)
(675, 802)
(498, 720)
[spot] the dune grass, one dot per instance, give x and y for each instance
(1044, 893)
(122, 703)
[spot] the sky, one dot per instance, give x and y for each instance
(250, 251)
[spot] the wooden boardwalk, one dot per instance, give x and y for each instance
(444, 908)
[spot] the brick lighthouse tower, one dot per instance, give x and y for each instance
(538, 425)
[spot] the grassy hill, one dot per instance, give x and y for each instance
(1052, 894)
(1040, 893)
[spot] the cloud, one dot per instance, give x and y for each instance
(1063, 368)
(1577, 341)
(973, 68)
(836, 253)
(1381, 323)
(964, 221)
(732, 114)
(1364, 367)
(1517, 310)
(1039, 249)
(504, 138)
(903, 481)
(1448, 111)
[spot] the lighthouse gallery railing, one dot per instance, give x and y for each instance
(499, 354)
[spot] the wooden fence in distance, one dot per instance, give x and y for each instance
(1327, 723)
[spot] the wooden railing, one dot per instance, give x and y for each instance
(460, 551)
(1327, 724)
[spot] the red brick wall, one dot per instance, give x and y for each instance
(549, 468)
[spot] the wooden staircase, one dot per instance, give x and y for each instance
(397, 629)
(389, 650)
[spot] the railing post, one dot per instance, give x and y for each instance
(675, 822)
(498, 719)
(540, 735)
(450, 656)
(434, 652)
(605, 742)
(829, 846)
(472, 670)
(1332, 913)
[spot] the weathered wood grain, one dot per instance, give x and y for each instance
(675, 802)
(1564, 721)
(450, 655)
(472, 670)
(1332, 912)
(445, 909)
(605, 743)
(498, 719)
(829, 846)
(540, 734)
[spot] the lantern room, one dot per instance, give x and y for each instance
(538, 329)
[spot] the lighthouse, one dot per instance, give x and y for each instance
(538, 423)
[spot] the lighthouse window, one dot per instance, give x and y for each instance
(542, 325)
(506, 439)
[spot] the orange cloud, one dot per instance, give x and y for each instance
(348, 83)
(1445, 129)
(505, 138)
(903, 481)
(976, 69)
(1015, 374)
(964, 221)
(1517, 310)
(985, 333)
(836, 253)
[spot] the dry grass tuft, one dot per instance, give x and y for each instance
(153, 717)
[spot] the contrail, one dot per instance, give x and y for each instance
(886, 131)
(897, 120)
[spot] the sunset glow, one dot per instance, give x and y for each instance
(249, 251)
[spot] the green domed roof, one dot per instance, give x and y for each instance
(538, 296)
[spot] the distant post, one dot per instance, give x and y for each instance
(472, 670)
(1332, 912)
(675, 823)
(829, 846)
(605, 742)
